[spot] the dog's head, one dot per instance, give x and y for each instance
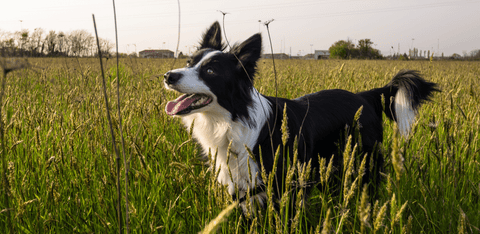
(215, 79)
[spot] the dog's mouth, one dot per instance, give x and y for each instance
(187, 103)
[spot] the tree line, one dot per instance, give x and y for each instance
(348, 50)
(38, 43)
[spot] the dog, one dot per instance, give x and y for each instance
(229, 114)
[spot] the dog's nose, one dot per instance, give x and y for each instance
(171, 77)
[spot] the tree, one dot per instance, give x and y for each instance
(106, 46)
(22, 40)
(38, 43)
(51, 41)
(455, 56)
(364, 46)
(475, 54)
(79, 43)
(347, 50)
(36, 48)
(341, 49)
(7, 44)
(62, 42)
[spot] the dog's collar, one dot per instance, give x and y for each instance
(257, 190)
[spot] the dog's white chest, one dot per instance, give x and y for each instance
(215, 134)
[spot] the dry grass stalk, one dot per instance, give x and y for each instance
(345, 214)
(462, 222)
(215, 223)
(120, 126)
(119, 212)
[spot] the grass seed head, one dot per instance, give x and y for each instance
(284, 127)
(348, 194)
(322, 169)
(380, 218)
(393, 209)
(407, 228)
(397, 158)
(398, 216)
(329, 169)
(327, 223)
(346, 153)
(215, 223)
(364, 210)
(298, 210)
(357, 115)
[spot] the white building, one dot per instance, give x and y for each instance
(156, 54)
(321, 54)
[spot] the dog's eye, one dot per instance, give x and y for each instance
(210, 71)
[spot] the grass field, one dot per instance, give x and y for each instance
(59, 170)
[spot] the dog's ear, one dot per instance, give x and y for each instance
(212, 38)
(248, 53)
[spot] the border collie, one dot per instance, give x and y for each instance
(218, 96)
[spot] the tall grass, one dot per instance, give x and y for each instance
(61, 175)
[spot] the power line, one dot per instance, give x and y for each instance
(271, 7)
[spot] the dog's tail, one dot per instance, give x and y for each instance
(403, 97)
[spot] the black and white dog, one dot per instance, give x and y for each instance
(218, 94)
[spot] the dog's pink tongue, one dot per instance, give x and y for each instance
(179, 104)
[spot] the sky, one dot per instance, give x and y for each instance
(299, 27)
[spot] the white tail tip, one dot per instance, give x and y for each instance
(405, 113)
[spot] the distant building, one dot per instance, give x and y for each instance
(276, 56)
(308, 57)
(156, 54)
(322, 54)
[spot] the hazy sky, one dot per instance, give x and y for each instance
(435, 25)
